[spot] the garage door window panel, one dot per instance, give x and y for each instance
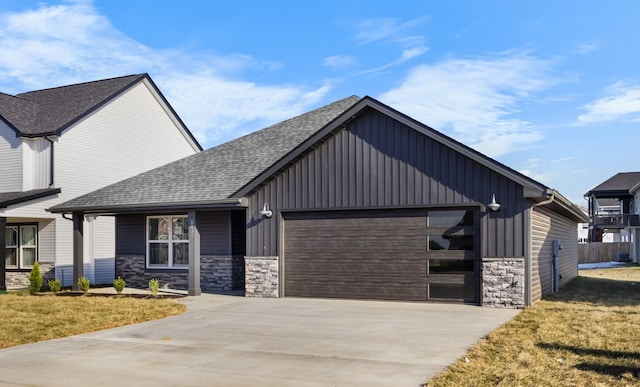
(453, 291)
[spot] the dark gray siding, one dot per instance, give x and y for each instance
(215, 233)
(130, 235)
(377, 162)
(238, 233)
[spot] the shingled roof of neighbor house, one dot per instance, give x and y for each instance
(49, 111)
(9, 198)
(214, 174)
(621, 182)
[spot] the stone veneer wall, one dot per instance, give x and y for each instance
(216, 273)
(261, 277)
(503, 283)
(20, 279)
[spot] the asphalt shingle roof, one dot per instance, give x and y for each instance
(9, 198)
(622, 181)
(49, 111)
(216, 173)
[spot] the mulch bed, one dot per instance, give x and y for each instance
(109, 295)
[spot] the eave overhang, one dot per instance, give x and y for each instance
(231, 203)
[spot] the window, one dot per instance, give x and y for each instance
(21, 246)
(167, 242)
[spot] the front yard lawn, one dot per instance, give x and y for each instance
(586, 335)
(27, 319)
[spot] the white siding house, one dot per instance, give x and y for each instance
(99, 133)
(634, 225)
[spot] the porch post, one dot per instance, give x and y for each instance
(3, 254)
(78, 249)
(194, 255)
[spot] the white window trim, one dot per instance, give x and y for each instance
(20, 247)
(169, 241)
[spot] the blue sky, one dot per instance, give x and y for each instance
(549, 88)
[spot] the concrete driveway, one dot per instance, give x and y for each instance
(236, 341)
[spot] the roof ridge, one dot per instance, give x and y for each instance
(79, 84)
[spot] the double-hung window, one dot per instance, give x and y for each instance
(167, 242)
(21, 246)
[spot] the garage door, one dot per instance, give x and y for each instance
(409, 255)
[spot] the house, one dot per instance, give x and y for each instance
(634, 225)
(610, 204)
(583, 228)
(63, 142)
(353, 200)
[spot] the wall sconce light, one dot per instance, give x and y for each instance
(266, 212)
(494, 206)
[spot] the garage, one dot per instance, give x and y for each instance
(405, 255)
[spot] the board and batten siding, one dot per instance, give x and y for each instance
(10, 160)
(378, 162)
(547, 226)
(36, 166)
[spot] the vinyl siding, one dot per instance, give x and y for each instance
(215, 232)
(129, 135)
(37, 157)
(46, 240)
(10, 160)
(377, 162)
(214, 226)
(548, 226)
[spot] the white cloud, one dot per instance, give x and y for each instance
(391, 31)
(372, 30)
(587, 47)
(340, 62)
(475, 100)
(541, 177)
(72, 42)
(621, 103)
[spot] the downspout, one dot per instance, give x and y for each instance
(529, 263)
(50, 162)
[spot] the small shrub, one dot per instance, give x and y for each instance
(35, 279)
(119, 284)
(54, 285)
(84, 284)
(154, 285)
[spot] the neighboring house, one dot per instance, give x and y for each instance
(610, 204)
(59, 143)
(583, 228)
(634, 225)
(352, 200)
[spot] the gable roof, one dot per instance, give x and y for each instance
(234, 169)
(619, 184)
(48, 112)
(9, 198)
(214, 175)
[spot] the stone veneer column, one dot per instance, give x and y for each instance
(503, 283)
(261, 277)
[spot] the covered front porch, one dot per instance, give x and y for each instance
(197, 250)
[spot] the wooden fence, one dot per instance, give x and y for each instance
(601, 251)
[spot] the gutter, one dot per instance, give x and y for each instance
(51, 160)
(142, 208)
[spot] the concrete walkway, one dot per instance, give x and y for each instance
(236, 341)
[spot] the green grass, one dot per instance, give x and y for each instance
(27, 319)
(586, 335)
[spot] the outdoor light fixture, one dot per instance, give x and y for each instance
(493, 206)
(266, 212)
